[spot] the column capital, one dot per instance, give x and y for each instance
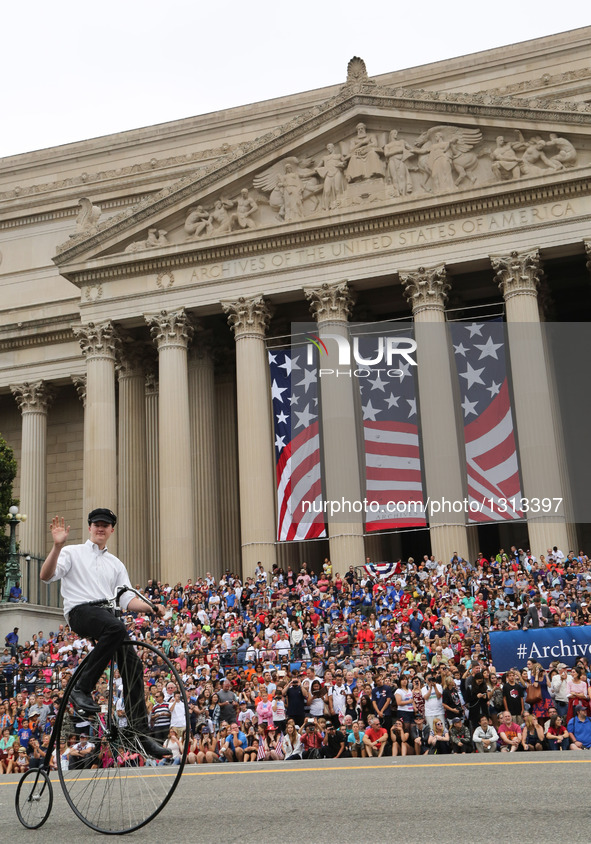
(32, 396)
(248, 317)
(131, 358)
(98, 340)
(152, 385)
(425, 289)
(79, 382)
(170, 329)
(331, 302)
(518, 273)
(202, 349)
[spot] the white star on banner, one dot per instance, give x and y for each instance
(460, 349)
(489, 349)
(469, 407)
(276, 391)
(494, 389)
(392, 400)
(404, 371)
(279, 441)
(293, 399)
(378, 384)
(272, 358)
(281, 418)
(289, 364)
(370, 412)
(412, 407)
(304, 418)
(309, 378)
(472, 376)
(475, 328)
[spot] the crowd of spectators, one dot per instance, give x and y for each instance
(302, 665)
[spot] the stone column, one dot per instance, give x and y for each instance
(228, 475)
(443, 450)
(518, 276)
(33, 399)
(331, 305)
(203, 444)
(133, 495)
(153, 475)
(249, 319)
(99, 342)
(172, 332)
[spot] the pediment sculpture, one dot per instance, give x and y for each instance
(379, 167)
(376, 167)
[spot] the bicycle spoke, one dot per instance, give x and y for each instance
(34, 798)
(127, 789)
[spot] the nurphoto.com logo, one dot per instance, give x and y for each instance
(387, 350)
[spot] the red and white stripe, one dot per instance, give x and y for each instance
(491, 462)
(299, 481)
(393, 474)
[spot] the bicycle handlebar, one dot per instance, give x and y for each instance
(123, 589)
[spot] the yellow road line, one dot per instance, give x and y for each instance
(392, 766)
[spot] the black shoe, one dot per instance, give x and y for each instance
(154, 748)
(83, 702)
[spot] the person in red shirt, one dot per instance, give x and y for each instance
(509, 733)
(375, 738)
(311, 740)
(365, 635)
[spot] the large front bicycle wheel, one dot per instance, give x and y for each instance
(34, 798)
(115, 787)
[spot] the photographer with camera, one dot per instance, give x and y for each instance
(295, 700)
(432, 693)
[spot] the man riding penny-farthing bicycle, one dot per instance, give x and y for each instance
(89, 574)
(95, 591)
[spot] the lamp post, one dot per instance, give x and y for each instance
(13, 570)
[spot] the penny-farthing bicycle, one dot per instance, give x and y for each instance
(114, 787)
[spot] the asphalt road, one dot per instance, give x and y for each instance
(500, 798)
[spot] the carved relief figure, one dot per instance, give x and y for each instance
(245, 207)
(534, 155)
(364, 157)
(88, 217)
(198, 221)
(289, 183)
(293, 194)
(156, 238)
(438, 163)
(398, 176)
(505, 162)
(330, 168)
(445, 150)
(566, 155)
(220, 215)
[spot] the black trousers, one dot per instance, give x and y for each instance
(109, 632)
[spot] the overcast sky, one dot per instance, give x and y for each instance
(73, 70)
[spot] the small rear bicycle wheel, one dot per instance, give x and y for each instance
(116, 787)
(34, 798)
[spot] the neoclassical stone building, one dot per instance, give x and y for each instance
(144, 273)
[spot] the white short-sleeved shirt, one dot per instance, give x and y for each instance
(89, 574)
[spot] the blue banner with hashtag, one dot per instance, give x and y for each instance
(513, 648)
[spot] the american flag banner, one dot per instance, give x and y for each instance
(491, 453)
(393, 478)
(381, 570)
(261, 752)
(294, 393)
